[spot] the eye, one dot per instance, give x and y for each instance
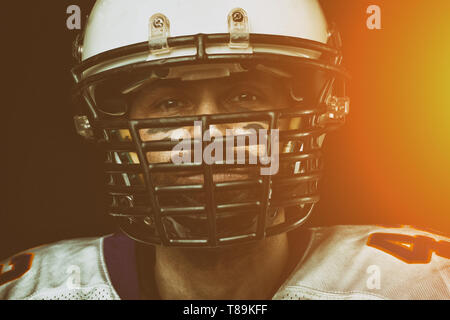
(170, 105)
(245, 97)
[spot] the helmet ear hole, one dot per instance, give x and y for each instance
(307, 85)
(113, 96)
(109, 100)
(116, 106)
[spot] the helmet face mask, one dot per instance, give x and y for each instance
(143, 100)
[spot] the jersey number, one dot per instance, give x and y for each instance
(409, 249)
(19, 266)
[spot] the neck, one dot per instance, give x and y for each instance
(243, 272)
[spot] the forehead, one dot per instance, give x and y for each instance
(256, 78)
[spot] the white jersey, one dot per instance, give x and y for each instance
(341, 262)
(370, 262)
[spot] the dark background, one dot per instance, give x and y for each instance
(50, 182)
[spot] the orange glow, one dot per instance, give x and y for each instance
(395, 155)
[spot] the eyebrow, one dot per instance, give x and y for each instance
(254, 78)
(251, 125)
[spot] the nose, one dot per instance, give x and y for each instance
(207, 103)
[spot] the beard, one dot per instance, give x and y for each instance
(213, 258)
(229, 223)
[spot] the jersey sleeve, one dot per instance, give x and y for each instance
(371, 262)
(72, 269)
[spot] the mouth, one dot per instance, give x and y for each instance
(198, 177)
(198, 197)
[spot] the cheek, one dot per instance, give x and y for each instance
(165, 134)
(255, 131)
(159, 157)
(173, 135)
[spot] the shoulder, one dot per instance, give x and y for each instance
(372, 262)
(70, 269)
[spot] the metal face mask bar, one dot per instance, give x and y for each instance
(149, 212)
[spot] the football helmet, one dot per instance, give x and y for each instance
(129, 47)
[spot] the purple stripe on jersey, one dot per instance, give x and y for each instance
(120, 259)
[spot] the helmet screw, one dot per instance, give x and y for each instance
(148, 221)
(237, 16)
(126, 202)
(158, 22)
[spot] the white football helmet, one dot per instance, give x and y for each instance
(129, 46)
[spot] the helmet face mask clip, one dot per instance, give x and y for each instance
(200, 203)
